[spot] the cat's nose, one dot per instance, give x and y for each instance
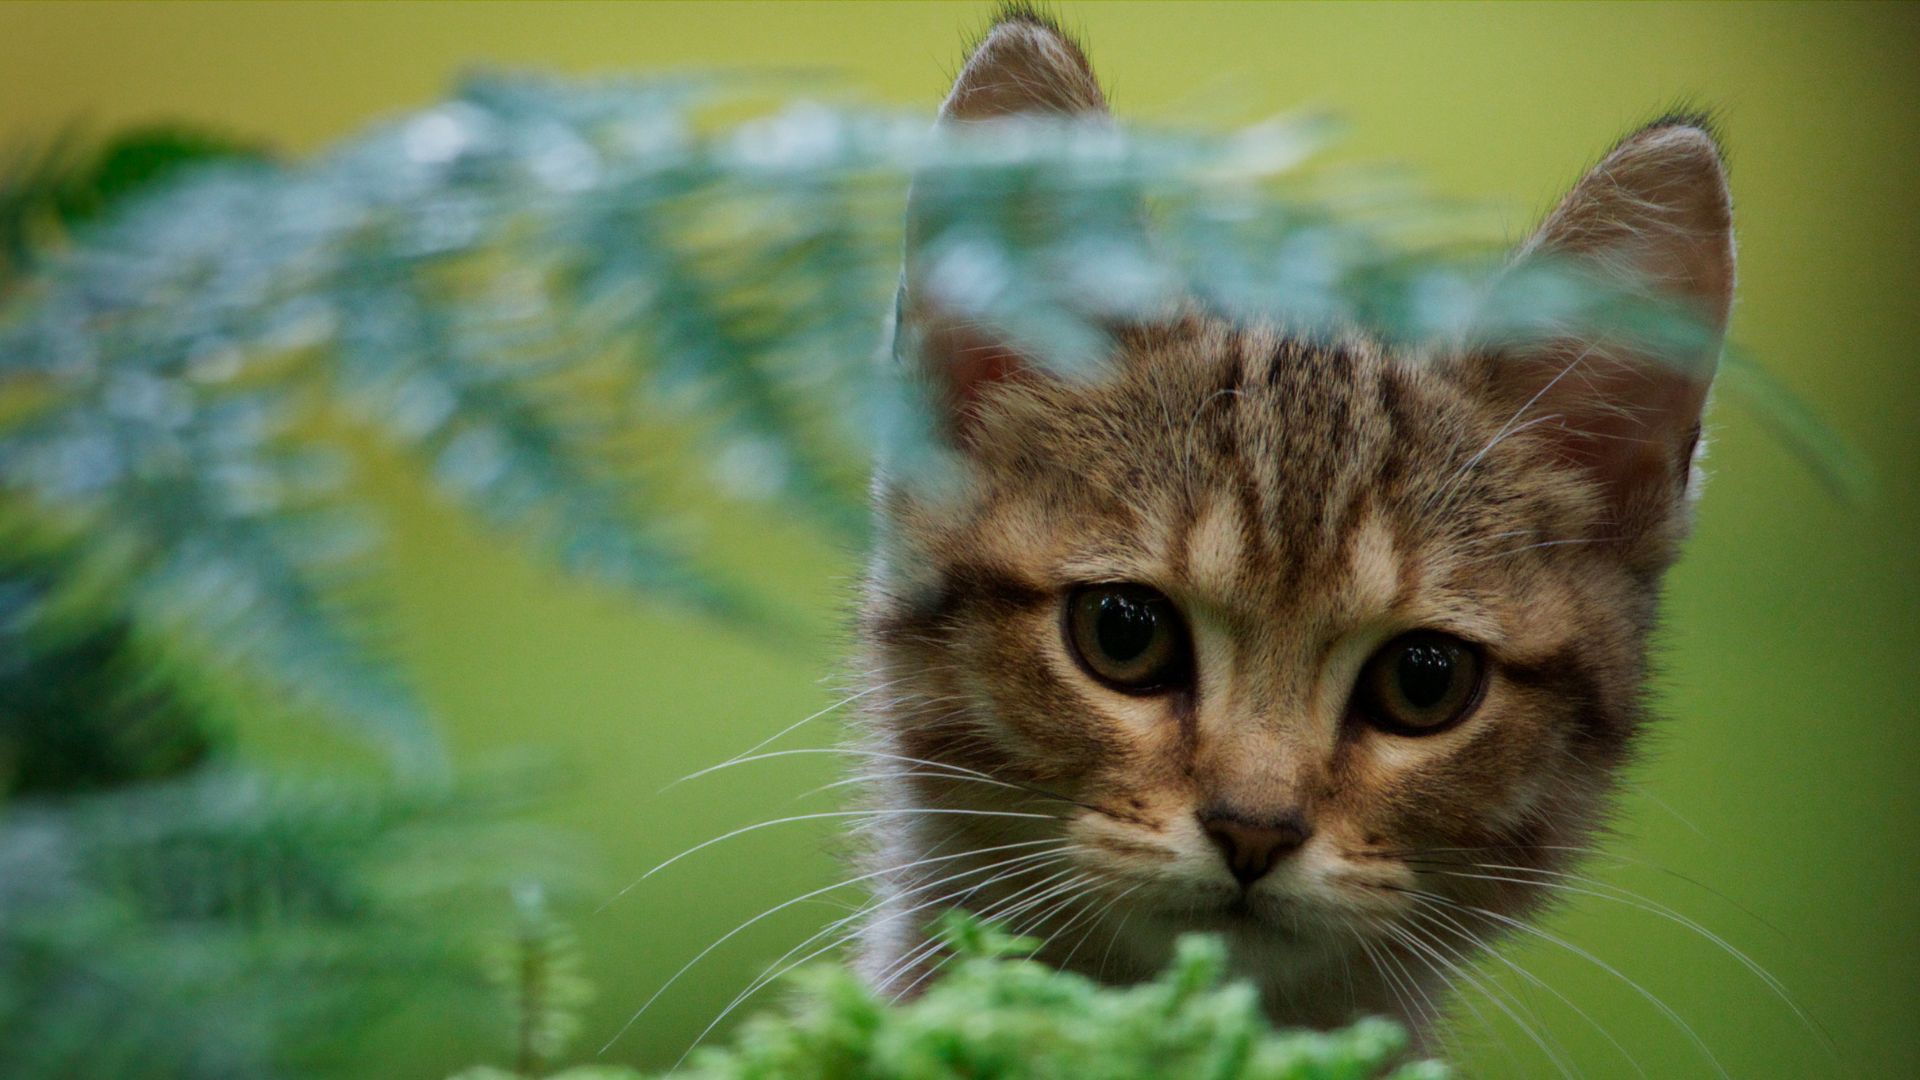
(1253, 847)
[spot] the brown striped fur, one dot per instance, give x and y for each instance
(1301, 503)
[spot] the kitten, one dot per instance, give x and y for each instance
(1287, 641)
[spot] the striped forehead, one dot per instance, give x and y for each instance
(1243, 469)
(1276, 485)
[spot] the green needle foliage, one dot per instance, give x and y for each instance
(584, 313)
(239, 923)
(998, 1016)
(539, 969)
(79, 710)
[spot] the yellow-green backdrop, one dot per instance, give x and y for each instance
(1786, 778)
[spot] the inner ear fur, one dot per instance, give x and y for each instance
(1653, 219)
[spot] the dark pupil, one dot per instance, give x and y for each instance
(1426, 674)
(1125, 626)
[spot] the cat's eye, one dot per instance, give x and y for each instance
(1420, 683)
(1130, 637)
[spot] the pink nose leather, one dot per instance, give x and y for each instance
(1250, 849)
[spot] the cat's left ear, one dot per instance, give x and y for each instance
(1654, 219)
(1025, 66)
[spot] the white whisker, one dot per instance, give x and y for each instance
(729, 935)
(1645, 994)
(1044, 859)
(826, 814)
(1622, 896)
(776, 736)
(1437, 916)
(1494, 995)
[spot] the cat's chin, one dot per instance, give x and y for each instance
(1240, 913)
(1273, 940)
(1271, 920)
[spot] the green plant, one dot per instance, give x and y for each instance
(999, 1015)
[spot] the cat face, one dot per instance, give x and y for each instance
(1256, 611)
(1276, 637)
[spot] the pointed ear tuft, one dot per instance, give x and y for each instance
(1656, 218)
(1025, 64)
(1656, 210)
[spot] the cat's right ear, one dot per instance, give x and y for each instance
(1024, 66)
(1654, 219)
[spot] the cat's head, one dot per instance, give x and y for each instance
(1274, 631)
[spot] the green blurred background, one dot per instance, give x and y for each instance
(1786, 778)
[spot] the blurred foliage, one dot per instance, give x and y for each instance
(538, 969)
(237, 923)
(550, 297)
(999, 1015)
(48, 191)
(79, 711)
(519, 289)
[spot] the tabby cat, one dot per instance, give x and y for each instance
(1273, 637)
